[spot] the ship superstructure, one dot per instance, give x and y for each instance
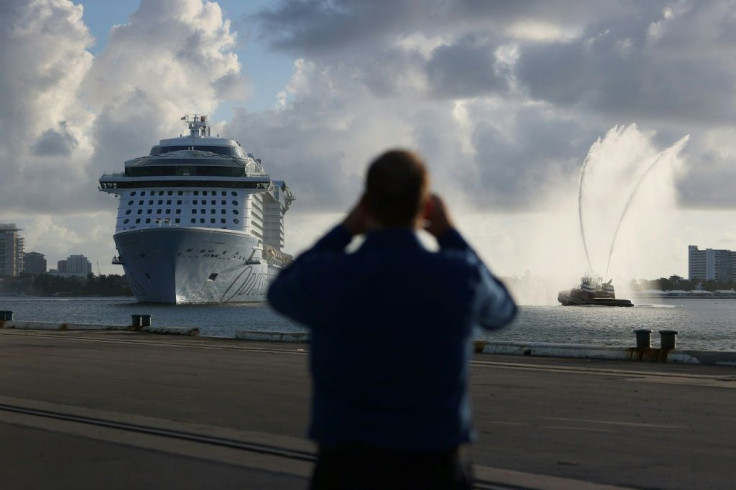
(199, 220)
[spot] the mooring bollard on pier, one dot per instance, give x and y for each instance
(643, 338)
(668, 339)
(139, 321)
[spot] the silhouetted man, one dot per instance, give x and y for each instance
(391, 325)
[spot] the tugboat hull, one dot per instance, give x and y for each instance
(567, 298)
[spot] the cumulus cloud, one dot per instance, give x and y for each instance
(55, 142)
(171, 59)
(629, 78)
(488, 153)
(320, 27)
(538, 83)
(43, 52)
(75, 116)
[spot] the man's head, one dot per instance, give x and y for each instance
(396, 189)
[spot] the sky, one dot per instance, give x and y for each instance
(507, 102)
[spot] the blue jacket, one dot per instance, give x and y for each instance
(391, 325)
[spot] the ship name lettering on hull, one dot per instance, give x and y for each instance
(247, 283)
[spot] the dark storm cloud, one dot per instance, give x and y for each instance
(231, 86)
(308, 157)
(571, 71)
(382, 72)
(709, 179)
(616, 65)
(696, 189)
(634, 60)
(611, 76)
(314, 26)
(55, 143)
(464, 69)
(515, 174)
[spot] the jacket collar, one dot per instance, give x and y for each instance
(393, 237)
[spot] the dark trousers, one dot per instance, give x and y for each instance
(361, 467)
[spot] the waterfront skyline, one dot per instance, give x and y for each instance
(504, 100)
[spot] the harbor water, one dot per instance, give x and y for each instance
(703, 324)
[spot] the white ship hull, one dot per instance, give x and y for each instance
(194, 265)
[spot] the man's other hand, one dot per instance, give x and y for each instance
(356, 222)
(438, 219)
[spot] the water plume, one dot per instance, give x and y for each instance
(661, 156)
(611, 180)
(621, 202)
(580, 210)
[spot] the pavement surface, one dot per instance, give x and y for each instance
(121, 410)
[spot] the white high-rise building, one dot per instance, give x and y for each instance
(74, 265)
(710, 264)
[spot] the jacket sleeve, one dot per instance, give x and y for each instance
(494, 308)
(290, 292)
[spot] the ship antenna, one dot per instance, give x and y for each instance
(198, 126)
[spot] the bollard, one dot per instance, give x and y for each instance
(135, 321)
(668, 339)
(6, 315)
(145, 320)
(643, 338)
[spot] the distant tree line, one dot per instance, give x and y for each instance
(673, 283)
(53, 285)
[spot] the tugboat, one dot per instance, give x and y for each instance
(592, 292)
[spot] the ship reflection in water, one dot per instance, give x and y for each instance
(592, 292)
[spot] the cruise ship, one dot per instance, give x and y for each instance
(199, 220)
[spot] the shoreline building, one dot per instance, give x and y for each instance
(74, 265)
(710, 264)
(11, 250)
(34, 263)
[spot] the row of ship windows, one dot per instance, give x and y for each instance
(183, 193)
(179, 202)
(177, 220)
(178, 211)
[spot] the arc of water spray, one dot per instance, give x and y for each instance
(626, 207)
(580, 211)
(676, 147)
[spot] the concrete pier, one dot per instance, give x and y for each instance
(121, 409)
(140, 324)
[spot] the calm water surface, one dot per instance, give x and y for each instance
(702, 323)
